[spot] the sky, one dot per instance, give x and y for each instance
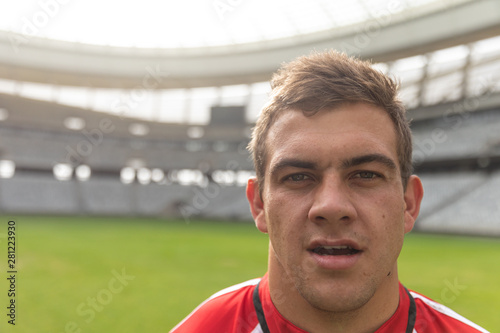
(189, 23)
(145, 23)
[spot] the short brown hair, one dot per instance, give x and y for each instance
(327, 80)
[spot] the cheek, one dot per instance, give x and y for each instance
(285, 223)
(389, 207)
(384, 220)
(392, 233)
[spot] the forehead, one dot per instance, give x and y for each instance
(335, 133)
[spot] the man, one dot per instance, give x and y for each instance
(335, 192)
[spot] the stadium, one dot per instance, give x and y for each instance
(123, 152)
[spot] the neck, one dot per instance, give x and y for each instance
(367, 318)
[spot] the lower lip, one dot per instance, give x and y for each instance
(336, 262)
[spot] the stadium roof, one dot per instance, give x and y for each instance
(219, 42)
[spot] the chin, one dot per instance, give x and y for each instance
(338, 298)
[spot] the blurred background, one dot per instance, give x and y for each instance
(141, 111)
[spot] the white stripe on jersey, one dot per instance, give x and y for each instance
(447, 311)
(235, 287)
(220, 293)
(257, 329)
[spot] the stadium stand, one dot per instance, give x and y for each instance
(444, 189)
(466, 207)
(37, 193)
(468, 135)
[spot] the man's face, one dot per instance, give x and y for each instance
(333, 204)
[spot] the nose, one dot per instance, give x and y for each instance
(332, 202)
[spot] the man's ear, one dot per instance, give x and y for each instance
(256, 204)
(413, 197)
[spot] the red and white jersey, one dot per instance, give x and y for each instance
(234, 310)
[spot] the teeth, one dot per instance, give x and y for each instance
(339, 250)
(341, 247)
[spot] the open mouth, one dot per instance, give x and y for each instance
(342, 250)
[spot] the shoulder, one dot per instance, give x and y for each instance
(223, 311)
(435, 317)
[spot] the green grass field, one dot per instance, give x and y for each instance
(143, 275)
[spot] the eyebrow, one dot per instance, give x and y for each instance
(379, 158)
(352, 162)
(294, 163)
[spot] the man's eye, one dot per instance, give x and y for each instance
(367, 175)
(298, 177)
